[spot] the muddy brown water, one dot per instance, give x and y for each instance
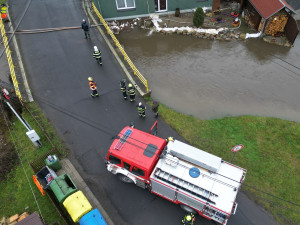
(213, 79)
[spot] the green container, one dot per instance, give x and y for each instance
(55, 164)
(62, 187)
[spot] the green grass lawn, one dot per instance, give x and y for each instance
(18, 191)
(271, 154)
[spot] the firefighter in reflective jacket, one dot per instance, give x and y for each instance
(188, 219)
(97, 55)
(93, 87)
(141, 109)
(4, 13)
(131, 92)
(123, 88)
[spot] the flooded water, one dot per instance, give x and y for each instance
(212, 79)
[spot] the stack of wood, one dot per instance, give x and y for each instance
(275, 25)
(13, 219)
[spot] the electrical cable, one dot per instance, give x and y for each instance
(90, 124)
(16, 148)
(24, 12)
(106, 129)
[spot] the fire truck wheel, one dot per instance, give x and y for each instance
(124, 178)
(188, 209)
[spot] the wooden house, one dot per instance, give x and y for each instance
(272, 17)
(128, 9)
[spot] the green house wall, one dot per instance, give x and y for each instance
(108, 8)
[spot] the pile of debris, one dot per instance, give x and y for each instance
(13, 219)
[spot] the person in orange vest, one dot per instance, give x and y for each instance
(93, 87)
(4, 13)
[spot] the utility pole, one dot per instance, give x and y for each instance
(32, 135)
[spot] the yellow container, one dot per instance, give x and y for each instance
(77, 205)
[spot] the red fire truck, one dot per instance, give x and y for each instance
(196, 180)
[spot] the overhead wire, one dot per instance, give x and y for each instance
(18, 24)
(20, 159)
(115, 133)
(90, 123)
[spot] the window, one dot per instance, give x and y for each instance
(114, 160)
(137, 171)
(125, 4)
(126, 166)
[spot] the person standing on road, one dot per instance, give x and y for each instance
(188, 219)
(123, 88)
(141, 109)
(155, 108)
(97, 55)
(131, 92)
(93, 87)
(86, 28)
(4, 13)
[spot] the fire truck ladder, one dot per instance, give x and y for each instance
(123, 139)
(186, 186)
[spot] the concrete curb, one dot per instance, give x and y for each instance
(20, 62)
(130, 78)
(68, 168)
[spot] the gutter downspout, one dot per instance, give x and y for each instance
(262, 29)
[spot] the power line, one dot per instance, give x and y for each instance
(16, 148)
(24, 12)
(106, 130)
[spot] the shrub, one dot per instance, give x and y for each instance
(198, 17)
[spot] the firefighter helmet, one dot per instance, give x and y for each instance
(90, 79)
(129, 85)
(170, 139)
(140, 104)
(188, 218)
(95, 49)
(83, 20)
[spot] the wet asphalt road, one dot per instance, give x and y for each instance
(58, 65)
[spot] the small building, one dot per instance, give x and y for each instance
(32, 219)
(272, 17)
(128, 9)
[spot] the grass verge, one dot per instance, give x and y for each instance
(18, 192)
(271, 154)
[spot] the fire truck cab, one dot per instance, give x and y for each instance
(196, 180)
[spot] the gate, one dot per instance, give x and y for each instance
(291, 29)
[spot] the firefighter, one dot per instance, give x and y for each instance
(86, 28)
(131, 92)
(123, 88)
(141, 109)
(4, 13)
(93, 87)
(169, 139)
(188, 219)
(97, 55)
(155, 108)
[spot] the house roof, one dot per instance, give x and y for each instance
(267, 8)
(32, 219)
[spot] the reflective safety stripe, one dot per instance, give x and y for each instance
(97, 54)
(3, 10)
(131, 91)
(92, 85)
(141, 109)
